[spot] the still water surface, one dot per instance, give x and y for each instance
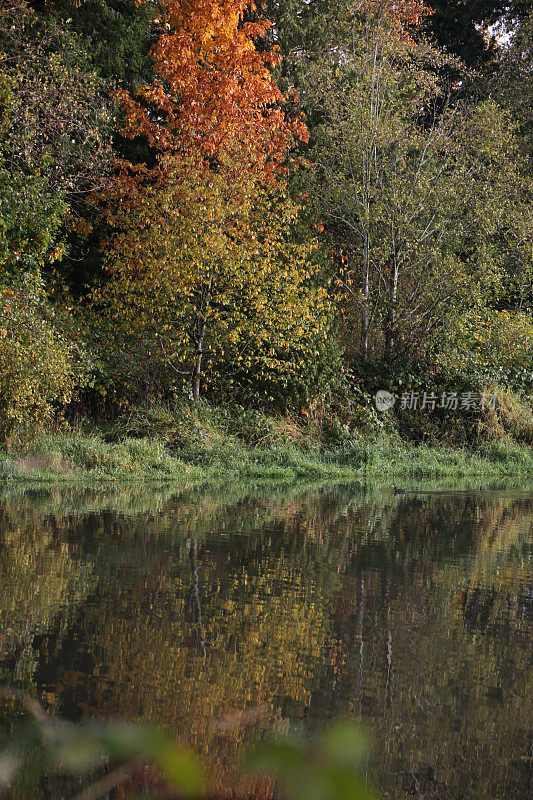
(411, 613)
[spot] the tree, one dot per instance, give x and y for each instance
(464, 29)
(406, 189)
(202, 262)
(512, 86)
(367, 150)
(118, 36)
(469, 30)
(204, 277)
(55, 132)
(41, 360)
(55, 128)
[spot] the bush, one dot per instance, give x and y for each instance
(38, 365)
(492, 346)
(511, 419)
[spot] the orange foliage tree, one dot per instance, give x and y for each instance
(201, 262)
(214, 88)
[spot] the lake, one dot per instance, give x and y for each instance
(241, 613)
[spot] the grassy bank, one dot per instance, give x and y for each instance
(185, 446)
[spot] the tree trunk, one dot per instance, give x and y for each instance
(364, 309)
(197, 372)
(199, 342)
(364, 321)
(390, 319)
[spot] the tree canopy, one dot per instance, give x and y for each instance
(253, 200)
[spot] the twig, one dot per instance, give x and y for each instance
(110, 781)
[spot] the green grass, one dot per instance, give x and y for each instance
(185, 447)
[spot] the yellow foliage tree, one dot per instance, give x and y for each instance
(203, 273)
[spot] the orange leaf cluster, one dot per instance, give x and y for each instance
(214, 88)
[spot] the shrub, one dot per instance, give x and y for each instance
(38, 365)
(490, 345)
(510, 420)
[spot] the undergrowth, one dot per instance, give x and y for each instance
(187, 445)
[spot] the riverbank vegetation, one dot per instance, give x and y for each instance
(225, 227)
(184, 446)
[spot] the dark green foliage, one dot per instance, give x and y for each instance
(56, 121)
(461, 28)
(118, 35)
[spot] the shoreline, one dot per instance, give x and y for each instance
(74, 459)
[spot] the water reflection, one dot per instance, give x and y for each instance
(413, 613)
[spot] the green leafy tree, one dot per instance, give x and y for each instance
(55, 148)
(55, 120)
(40, 362)
(417, 200)
(512, 85)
